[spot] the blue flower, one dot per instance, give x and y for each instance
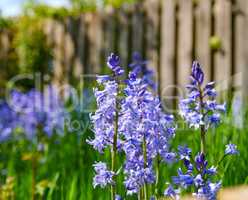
(103, 176)
(36, 111)
(139, 69)
(200, 107)
(113, 63)
(184, 152)
(197, 73)
(208, 191)
(172, 193)
(103, 119)
(118, 197)
(231, 149)
(183, 180)
(143, 123)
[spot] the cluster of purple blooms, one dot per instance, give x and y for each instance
(143, 124)
(7, 121)
(200, 110)
(139, 68)
(200, 106)
(144, 131)
(32, 111)
(197, 174)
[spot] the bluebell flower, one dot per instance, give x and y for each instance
(104, 118)
(113, 63)
(172, 193)
(208, 191)
(200, 107)
(118, 197)
(142, 121)
(198, 181)
(184, 152)
(35, 111)
(183, 180)
(103, 176)
(197, 73)
(8, 121)
(140, 69)
(197, 175)
(231, 149)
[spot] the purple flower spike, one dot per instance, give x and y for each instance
(197, 72)
(200, 106)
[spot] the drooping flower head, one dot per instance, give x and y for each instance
(114, 64)
(196, 175)
(231, 149)
(103, 176)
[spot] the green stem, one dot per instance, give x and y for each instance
(33, 176)
(203, 140)
(223, 157)
(140, 194)
(203, 131)
(157, 178)
(145, 165)
(114, 152)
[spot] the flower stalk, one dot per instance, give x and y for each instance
(157, 177)
(145, 166)
(202, 126)
(114, 150)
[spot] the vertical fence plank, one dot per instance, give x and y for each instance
(49, 30)
(58, 66)
(95, 41)
(222, 57)
(152, 33)
(203, 34)
(69, 51)
(108, 34)
(185, 38)
(241, 49)
(137, 28)
(167, 55)
(79, 59)
(123, 38)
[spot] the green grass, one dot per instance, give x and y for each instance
(66, 163)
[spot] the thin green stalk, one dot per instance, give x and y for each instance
(145, 162)
(203, 140)
(140, 194)
(157, 177)
(33, 176)
(203, 131)
(114, 152)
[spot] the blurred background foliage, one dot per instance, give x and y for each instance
(29, 50)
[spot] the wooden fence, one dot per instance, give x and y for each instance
(169, 33)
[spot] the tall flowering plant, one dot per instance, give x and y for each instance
(129, 119)
(105, 123)
(201, 111)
